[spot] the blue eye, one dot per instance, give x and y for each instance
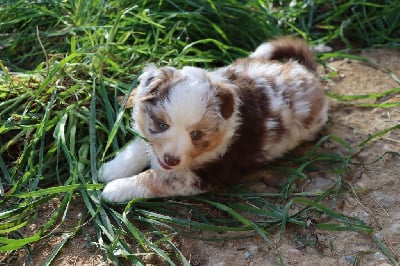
(162, 126)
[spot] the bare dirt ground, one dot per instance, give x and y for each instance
(375, 197)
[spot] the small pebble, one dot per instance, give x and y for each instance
(350, 203)
(379, 256)
(86, 245)
(364, 155)
(395, 228)
(349, 259)
(322, 182)
(294, 252)
(253, 249)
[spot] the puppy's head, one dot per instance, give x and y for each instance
(188, 116)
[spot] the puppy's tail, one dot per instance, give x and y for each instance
(286, 48)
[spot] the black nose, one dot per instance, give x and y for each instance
(171, 160)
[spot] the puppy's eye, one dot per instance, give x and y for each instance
(162, 126)
(196, 135)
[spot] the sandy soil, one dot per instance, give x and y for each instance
(375, 197)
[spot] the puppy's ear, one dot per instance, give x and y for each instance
(226, 101)
(154, 82)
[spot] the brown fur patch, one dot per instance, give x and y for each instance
(226, 102)
(245, 154)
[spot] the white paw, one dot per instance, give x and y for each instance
(124, 189)
(111, 171)
(106, 173)
(115, 191)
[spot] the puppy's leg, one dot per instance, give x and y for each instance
(133, 159)
(152, 183)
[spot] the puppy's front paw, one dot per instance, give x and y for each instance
(124, 189)
(109, 171)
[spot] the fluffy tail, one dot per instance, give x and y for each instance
(286, 48)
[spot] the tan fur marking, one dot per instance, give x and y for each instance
(140, 119)
(209, 143)
(158, 187)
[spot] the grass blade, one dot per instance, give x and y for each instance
(385, 250)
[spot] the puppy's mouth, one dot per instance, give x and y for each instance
(163, 165)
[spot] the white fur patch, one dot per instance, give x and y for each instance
(272, 124)
(133, 159)
(188, 99)
(264, 50)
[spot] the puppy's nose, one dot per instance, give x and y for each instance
(171, 160)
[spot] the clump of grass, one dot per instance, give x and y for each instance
(352, 23)
(63, 64)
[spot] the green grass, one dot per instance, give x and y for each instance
(63, 64)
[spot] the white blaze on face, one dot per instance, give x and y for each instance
(185, 106)
(188, 99)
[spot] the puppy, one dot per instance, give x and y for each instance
(203, 129)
